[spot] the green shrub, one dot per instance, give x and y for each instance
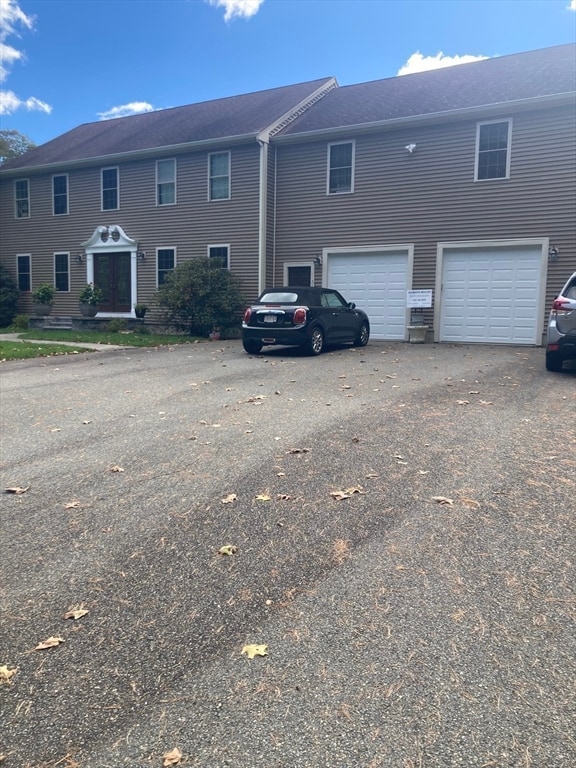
(21, 322)
(9, 295)
(90, 294)
(199, 296)
(116, 325)
(44, 294)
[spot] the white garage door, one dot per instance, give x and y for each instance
(491, 294)
(377, 283)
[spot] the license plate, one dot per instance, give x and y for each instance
(269, 318)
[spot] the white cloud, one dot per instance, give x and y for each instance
(571, 6)
(12, 18)
(134, 108)
(238, 8)
(9, 103)
(419, 63)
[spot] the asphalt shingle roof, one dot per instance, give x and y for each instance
(499, 80)
(209, 120)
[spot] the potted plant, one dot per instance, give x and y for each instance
(140, 310)
(43, 299)
(89, 298)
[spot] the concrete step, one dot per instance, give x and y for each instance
(57, 323)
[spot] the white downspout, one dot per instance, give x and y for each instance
(262, 213)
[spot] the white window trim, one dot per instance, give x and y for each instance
(220, 199)
(29, 257)
(110, 168)
(165, 160)
(220, 245)
(288, 264)
(508, 148)
(57, 176)
(16, 201)
(328, 152)
(60, 253)
(165, 248)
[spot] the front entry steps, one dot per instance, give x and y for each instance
(57, 323)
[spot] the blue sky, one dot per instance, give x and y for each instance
(67, 62)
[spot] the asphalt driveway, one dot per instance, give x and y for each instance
(401, 519)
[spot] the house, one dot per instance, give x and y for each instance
(458, 183)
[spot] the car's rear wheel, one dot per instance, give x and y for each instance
(252, 347)
(553, 362)
(315, 342)
(363, 335)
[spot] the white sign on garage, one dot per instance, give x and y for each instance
(492, 293)
(376, 279)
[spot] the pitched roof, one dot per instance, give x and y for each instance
(500, 80)
(247, 114)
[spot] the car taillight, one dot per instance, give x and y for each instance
(299, 315)
(561, 304)
(247, 315)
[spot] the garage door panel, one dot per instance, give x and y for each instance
(490, 294)
(377, 282)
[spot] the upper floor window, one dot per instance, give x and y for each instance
(62, 271)
(219, 255)
(166, 182)
(60, 195)
(109, 189)
(24, 278)
(165, 263)
(22, 198)
(341, 167)
(493, 150)
(219, 176)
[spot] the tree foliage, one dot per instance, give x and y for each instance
(200, 296)
(12, 144)
(9, 295)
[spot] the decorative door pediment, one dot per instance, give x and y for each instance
(112, 237)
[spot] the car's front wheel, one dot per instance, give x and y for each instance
(363, 335)
(315, 342)
(553, 362)
(252, 347)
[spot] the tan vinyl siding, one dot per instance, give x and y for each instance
(189, 226)
(430, 196)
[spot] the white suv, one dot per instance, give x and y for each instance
(561, 339)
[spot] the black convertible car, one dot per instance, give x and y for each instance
(311, 318)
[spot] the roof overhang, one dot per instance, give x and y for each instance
(478, 112)
(138, 154)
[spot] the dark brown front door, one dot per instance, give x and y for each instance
(112, 275)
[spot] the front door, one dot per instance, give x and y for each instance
(112, 274)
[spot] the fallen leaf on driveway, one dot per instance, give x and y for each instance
(228, 549)
(298, 450)
(346, 493)
(6, 674)
(470, 503)
(463, 402)
(263, 497)
(485, 402)
(72, 505)
(16, 490)
(443, 500)
(75, 612)
(52, 642)
(116, 468)
(229, 499)
(171, 758)
(255, 650)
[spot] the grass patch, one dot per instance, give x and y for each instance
(123, 338)
(24, 350)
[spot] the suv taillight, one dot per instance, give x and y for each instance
(299, 315)
(247, 315)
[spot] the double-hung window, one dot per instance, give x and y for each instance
(166, 182)
(218, 255)
(60, 195)
(219, 176)
(22, 198)
(165, 263)
(62, 271)
(109, 189)
(340, 167)
(493, 150)
(23, 266)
